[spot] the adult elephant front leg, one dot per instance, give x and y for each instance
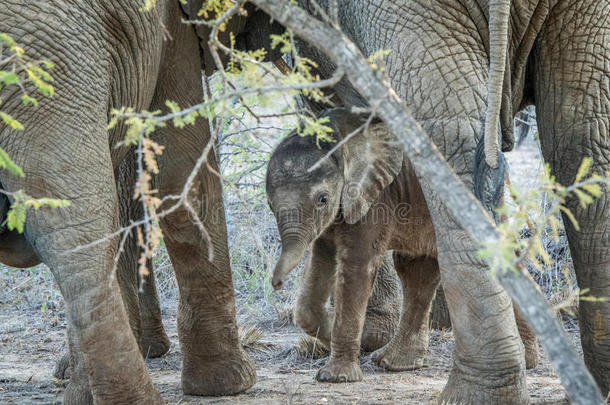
(108, 367)
(573, 106)
(214, 362)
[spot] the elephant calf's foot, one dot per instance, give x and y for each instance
(62, 367)
(154, 344)
(505, 389)
(397, 356)
(340, 372)
(225, 374)
(78, 393)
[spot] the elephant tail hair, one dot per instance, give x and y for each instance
(488, 181)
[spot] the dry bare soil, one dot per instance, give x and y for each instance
(31, 342)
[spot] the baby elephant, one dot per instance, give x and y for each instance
(353, 206)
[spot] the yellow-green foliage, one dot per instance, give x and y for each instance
(509, 252)
(20, 70)
(15, 218)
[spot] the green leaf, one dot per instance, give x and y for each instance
(15, 218)
(7, 40)
(27, 100)
(8, 164)
(8, 77)
(570, 216)
(10, 121)
(594, 189)
(584, 168)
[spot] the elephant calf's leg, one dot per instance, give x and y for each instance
(310, 312)
(357, 262)
(420, 278)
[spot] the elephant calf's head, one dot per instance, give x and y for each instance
(309, 190)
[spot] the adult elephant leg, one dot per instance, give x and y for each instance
(214, 362)
(420, 278)
(127, 266)
(138, 291)
(439, 315)
(100, 339)
(443, 78)
(383, 309)
(310, 312)
(488, 360)
(573, 107)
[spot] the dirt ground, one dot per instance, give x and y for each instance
(32, 338)
(30, 342)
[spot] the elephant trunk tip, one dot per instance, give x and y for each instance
(289, 259)
(277, 282)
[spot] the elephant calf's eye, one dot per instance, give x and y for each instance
(322, 199)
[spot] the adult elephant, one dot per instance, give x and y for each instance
(550, 53)
(108, 55)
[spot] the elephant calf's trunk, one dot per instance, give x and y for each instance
(289, 259)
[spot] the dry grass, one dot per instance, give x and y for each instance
(308, 347)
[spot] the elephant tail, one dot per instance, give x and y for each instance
(499, 15)
(488, 181)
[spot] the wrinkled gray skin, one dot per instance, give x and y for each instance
(108, 55)
(345, 257)
(382, 310)
(439, 61)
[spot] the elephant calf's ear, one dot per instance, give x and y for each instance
(371, 161)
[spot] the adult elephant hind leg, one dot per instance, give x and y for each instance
(488, 361)
(139, 291)
(488, 365)
(573, 107)
(214, 362)
(420, 278)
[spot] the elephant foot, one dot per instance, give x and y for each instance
(392, 356)
(62, 367)
(485, 388)
(154, 344)
(78, 393)
(377, 332)
(225, 374)
(340, 372)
